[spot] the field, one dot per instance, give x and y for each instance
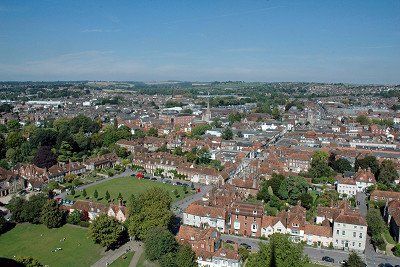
(127, 186)
(37, 241)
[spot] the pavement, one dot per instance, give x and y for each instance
(112, 255)
(138, 252)
(179, 206)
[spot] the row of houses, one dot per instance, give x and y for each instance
(339, 226)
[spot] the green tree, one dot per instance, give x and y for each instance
(84, 194)
(261, 258)
(29, 262)
(74, 217)
(354, 260)
(292, 188)
(107, 196)
(185, 257)
(17, 208)
(72, 191)
(234, 117)
(362, 119)
(159, 242)
(227, 134)
(306, 200)
(106, 231)
(13, 125)
(328, 198)
(3, 224)
(149, 210)
(33, 208)
(65, 152)
(51, 215)
(342, 165)
(152, 132)
(95, 194)
(168, 260)
(14, 140)
(388, 172)
(319, 167)
(367, 162)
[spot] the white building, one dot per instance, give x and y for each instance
(199, 215)
(346, 186)
(350, 231)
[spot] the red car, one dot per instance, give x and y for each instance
(139, 175)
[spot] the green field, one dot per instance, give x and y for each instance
(127, 186)
(38, 242)
(123, 261)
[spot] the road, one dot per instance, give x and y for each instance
(179, 206)
(371, 257)
(111, 255)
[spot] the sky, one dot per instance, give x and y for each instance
(314, 41)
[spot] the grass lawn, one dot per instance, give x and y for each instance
(143, 262)
(388, 237)
(26, 240)
(124, 260)
(127, 186)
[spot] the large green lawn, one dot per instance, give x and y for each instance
(38, 241)
(127, 186)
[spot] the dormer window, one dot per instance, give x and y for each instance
(237, 210)
(254, 212)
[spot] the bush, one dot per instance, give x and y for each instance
(378, 242)
(396, 250)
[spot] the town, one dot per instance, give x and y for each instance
(199, 174)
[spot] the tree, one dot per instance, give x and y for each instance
(319, 167)
(74, 217)
(33, 208)
(328, 198)
(387, 172)
(367, 162)
(44, 157)
(51, 215)
(227, 134)
(14, 140)
(185, 257)
(362, 119)
(306, 200)
(152, 132)
(159, 242)
(73, 191)
(149, 210)
(3, 224)
(107, 196)
(84, 194)
(354, 260)
(106, 231)
(280, 251)
(120, 197)
(29, 262)
(292, 188)
(95, 194)
(168, 260)
(341, 165)
(13, 125)
(65, 152)
(16, 207)
(275, 182)
(234, 117)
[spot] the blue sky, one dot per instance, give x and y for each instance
(321, 40)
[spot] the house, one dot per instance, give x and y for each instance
(384, 196)
(346, 187)
(349, 231)
(10, 182)
(199, 214)
(271, 225)
(364, 179)
(103, 161)
(321, 235)
(206, 244)
(118, 212)
(246, 219)
(92, 210)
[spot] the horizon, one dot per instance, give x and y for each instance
(355, 42)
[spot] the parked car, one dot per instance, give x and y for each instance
(153, 179)
(229, 241)
(385, 265)
(328, 259)
(178, 183)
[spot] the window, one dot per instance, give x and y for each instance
(354, 243)
(337, 231)
(359, 245)
(354, 234)
(343, 232)
(254, 212)
(360, 235)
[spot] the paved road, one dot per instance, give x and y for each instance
(112, 255)
(179, 206)
(372, 258)
(138, 252)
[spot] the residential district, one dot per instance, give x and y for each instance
(199, 174)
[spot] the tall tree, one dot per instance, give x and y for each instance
(367, 162)
(388, 172)
(51, 215)
(159, 242)
(33, 208)
(44, 157)
(354, 260)
(185, 257)
(106, 231)
(292, 188)
(16, 206)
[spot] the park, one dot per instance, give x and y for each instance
(127, 186)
